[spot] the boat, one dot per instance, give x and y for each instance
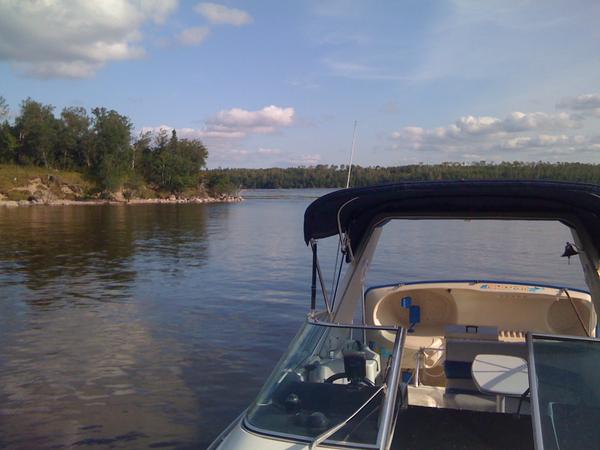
(437, 364)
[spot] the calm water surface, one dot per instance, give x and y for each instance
(154, 326)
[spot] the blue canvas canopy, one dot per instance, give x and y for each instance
(575, 204)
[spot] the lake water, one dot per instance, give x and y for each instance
(155, 325)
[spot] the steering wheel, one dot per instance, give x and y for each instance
(356, 382)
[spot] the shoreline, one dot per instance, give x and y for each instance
(133, 201)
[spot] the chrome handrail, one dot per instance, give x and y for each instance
(387, 416)
(313, 318)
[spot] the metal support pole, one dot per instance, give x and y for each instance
(323, 289)
(418, 357)
(313, 286)
(387, 427)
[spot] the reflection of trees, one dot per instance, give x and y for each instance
(76, 252)
(176, 233)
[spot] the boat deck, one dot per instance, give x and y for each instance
(439, 428)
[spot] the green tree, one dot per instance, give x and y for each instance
(174, 164)
(8, 142)
(141, 150)
(75, 139)
(219, 183)
(37, 129)
(111, 142)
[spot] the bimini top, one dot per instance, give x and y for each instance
(575, 204)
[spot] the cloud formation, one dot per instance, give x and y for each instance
(269, 151)
(470, 127)
(74, 38)
(238, 123)
(307, 159)
(193, 35)
(265, 120)
(584, 104)
(225, 132)
(222, 15)
(537, 134)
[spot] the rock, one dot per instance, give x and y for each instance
(66, 189)
(119, 196)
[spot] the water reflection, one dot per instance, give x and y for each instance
(61, 253)
(80, 362)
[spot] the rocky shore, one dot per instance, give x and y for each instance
(52, 191)
(133, 201)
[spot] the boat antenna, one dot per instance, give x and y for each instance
(337, 254)
(351, 155)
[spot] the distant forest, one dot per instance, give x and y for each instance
(324, 176)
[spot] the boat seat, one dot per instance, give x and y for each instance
(460, 354)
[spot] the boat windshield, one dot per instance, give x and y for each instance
(565, 391)
(328, 374)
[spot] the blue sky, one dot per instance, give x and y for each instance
(278, 83)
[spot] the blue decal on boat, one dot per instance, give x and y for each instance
(484, 286)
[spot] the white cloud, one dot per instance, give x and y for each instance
(269, 151)
(74, 38)
(518, 121)
(221, 14)
(478, 125)
(193, 36)
(237, 123)
(196, 133)
(520, 135)
(473, 128)
(158, 10)
(262, 121)
(307, 160)
(542, 140)
(585, 104)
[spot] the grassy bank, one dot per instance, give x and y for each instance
(36, 184)
(22, 182)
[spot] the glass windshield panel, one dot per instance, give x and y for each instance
(568, 392)
(516, 250)
(325, 376)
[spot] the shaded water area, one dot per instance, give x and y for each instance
(155, 325)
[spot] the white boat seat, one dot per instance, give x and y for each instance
(460, 354)
(466, 350)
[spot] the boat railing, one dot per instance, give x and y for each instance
(322, 318)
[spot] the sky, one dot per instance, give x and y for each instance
(279, 83)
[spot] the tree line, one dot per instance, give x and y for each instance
(331, 176)
(101, 145)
